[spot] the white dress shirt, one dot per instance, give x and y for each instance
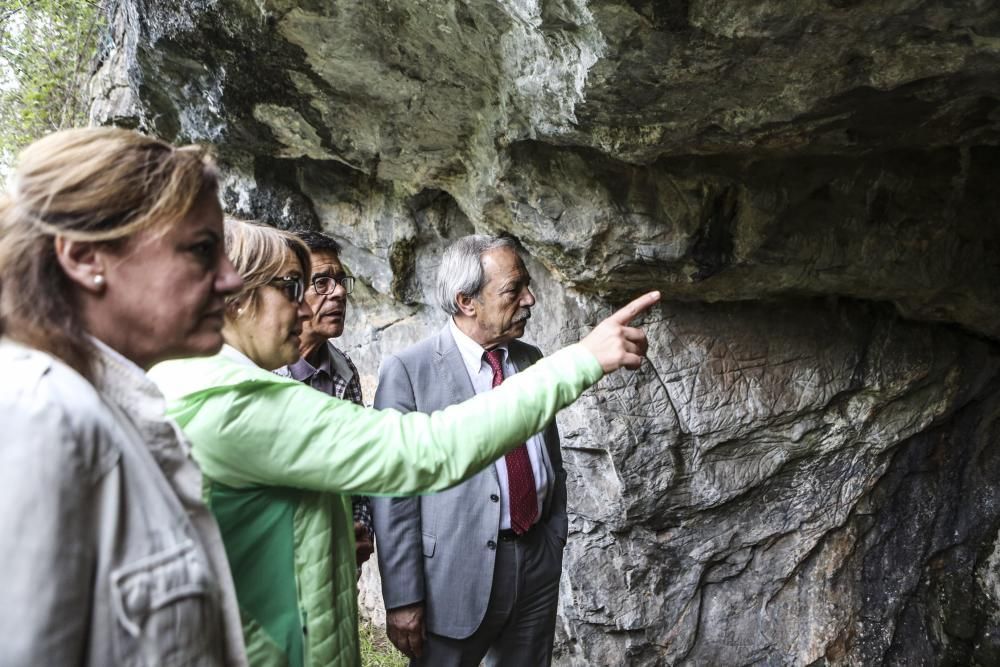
(481, 375)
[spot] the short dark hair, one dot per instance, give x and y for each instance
(317, 241)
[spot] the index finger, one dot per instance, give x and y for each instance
(636, 307)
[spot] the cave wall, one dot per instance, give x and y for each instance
(804, 471)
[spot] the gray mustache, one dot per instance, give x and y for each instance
(521, 316)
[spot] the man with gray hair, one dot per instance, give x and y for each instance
(473, 572)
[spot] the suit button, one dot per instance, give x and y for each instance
(491, 545)
(494, 497)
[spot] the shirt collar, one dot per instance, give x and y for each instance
(302, 370)
(333, 365)
(123, 382)
(471, 351)
(123, 362)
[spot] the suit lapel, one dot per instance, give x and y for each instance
(451, 368)
(453, 375)
(518, 356)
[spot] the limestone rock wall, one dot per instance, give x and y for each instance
(805, 471)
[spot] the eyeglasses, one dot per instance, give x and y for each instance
(291, 286)
(327, 284)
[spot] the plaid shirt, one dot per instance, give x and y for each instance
(329, 378)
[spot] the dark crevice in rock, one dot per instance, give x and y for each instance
(276, 199)
(402, 263)
(712, 246)
(923, 532)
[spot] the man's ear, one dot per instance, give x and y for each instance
(82, 262)
(467, 305)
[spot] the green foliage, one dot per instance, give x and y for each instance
(46, 48)
(376, 649)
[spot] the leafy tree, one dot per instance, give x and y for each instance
(46, 48)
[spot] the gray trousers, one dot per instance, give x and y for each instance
(520, 620)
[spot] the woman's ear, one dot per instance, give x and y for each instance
(236, 307)
(82, 262)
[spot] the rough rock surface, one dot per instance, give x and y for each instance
(805, 471)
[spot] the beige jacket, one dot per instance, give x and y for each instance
(109, 557)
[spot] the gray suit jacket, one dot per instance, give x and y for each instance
(441, 548)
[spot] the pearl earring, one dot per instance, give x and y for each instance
(99, 280)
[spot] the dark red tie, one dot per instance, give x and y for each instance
(520, 480)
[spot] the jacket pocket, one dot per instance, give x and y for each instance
(164, 610)
(429, 543)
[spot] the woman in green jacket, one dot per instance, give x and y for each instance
(280, 459)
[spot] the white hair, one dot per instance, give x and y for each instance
(461, 270)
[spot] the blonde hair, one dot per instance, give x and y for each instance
(93, 185)
(257, 252)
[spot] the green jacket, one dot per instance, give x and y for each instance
(281, 459)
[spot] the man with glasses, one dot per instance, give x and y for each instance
(323, 366)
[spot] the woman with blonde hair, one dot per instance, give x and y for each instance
(282, 459)
(111, 260)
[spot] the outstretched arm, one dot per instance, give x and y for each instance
(261, 429)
